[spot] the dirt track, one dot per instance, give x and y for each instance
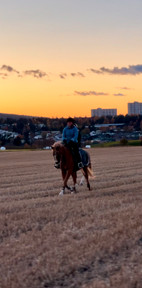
(89, 240)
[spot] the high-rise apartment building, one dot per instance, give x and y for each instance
(103, 112)
(135, 108)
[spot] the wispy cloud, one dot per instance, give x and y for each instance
(78, 74)
(9, 69)
(63, 76)
(90, 93)
(124, 88)
(3, 75)
(130, 70)
(39, 74)
(36, 73)
(119, 94)
(95, 71)
(73, 74)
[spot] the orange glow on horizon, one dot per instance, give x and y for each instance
(57, 98)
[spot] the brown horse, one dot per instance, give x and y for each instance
(63, 156)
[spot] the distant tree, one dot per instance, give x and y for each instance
(26, 136)
(100, 120)
(17, 141)
(123, 141)
(32, 125)
(85, 131)
(141, 125)
(119, 119)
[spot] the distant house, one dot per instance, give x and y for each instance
(37, 137)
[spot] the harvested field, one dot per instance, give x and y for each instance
(92, 239)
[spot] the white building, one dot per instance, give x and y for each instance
(135, 108)
(103, 112)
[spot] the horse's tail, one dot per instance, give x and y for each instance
(90, 172)
(87, 162)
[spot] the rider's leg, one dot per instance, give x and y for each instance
(77, 155)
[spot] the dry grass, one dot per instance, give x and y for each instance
(89, 240)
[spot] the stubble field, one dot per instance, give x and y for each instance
(92, 239)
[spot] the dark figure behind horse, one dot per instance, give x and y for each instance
(63, 155)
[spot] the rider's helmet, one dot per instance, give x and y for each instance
(71, 120)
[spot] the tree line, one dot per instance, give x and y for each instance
(24, 125)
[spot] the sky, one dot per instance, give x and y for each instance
(61, 58)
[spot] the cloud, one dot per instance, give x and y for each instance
(95, 71)
(78, 74)
(3, 75)
(9, 69)
(124, 88)
(119, 94)
(36, 73)
(63, 76)
(73, 74)
(90, 93)
(130, 70)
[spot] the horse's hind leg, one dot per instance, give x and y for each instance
(86, 177)
(74, 176)
(82, 180)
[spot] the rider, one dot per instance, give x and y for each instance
(70, 139)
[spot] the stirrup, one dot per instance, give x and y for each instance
(80, 165)
(57, 165)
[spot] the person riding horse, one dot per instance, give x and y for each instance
(70, 140)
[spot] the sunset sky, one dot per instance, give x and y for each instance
(62, 58)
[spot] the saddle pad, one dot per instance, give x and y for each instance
(84, 157)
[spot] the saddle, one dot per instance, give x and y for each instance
(84, 158)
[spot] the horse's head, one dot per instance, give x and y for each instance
(57, 152)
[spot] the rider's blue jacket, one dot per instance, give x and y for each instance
(70, 134)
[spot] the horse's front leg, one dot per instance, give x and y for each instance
(65, 176)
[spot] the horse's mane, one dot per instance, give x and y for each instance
(57, 144)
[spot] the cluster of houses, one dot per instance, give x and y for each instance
(8, 134)
(111, 133)
(98, 133)
(39, 139)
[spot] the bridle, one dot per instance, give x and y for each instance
(57, 157)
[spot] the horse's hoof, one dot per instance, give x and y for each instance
(68, 187)
(72, 192)
(61, 193)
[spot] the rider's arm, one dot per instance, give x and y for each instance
(75, 137)
(64, 135)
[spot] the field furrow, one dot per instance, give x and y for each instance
(91, 239)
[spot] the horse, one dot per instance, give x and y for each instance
(64, 157)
